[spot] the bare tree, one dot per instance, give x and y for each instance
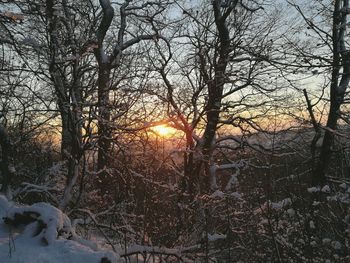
(222, 73)
(110, 58)
(66, 77)
(339, 84)
(52, 44)
(323, 51)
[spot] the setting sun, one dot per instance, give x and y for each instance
(163, 130)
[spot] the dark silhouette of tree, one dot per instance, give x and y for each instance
(109, 53)
(224, 60)
(340, 77)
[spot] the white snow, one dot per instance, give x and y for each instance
(336, 245)
(44, 239)
(216, 236)
(291, 212)
(29, 250)
(281, 204)
(274, 205)
(326, 241)
(54, 219)
(312, 224)
(313, 189)
(313, 243)
(236, 195)
(218, 194)
(341, 197)
(153, 249)
(343, 185)
(326, 189)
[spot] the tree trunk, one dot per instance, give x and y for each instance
(213, 112)
(66, 135)
(69, 100)
(7, 167)
(341, 60)
(213, 107)
(73, 174)
(325, 155)
(189, 180)
(104, 131)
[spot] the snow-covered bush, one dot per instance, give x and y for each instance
(42, 233)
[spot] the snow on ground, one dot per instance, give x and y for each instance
(216, 236)
(37, 242)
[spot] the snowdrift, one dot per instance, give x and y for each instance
(42, 233)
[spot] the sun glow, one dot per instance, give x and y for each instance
(163, 130)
